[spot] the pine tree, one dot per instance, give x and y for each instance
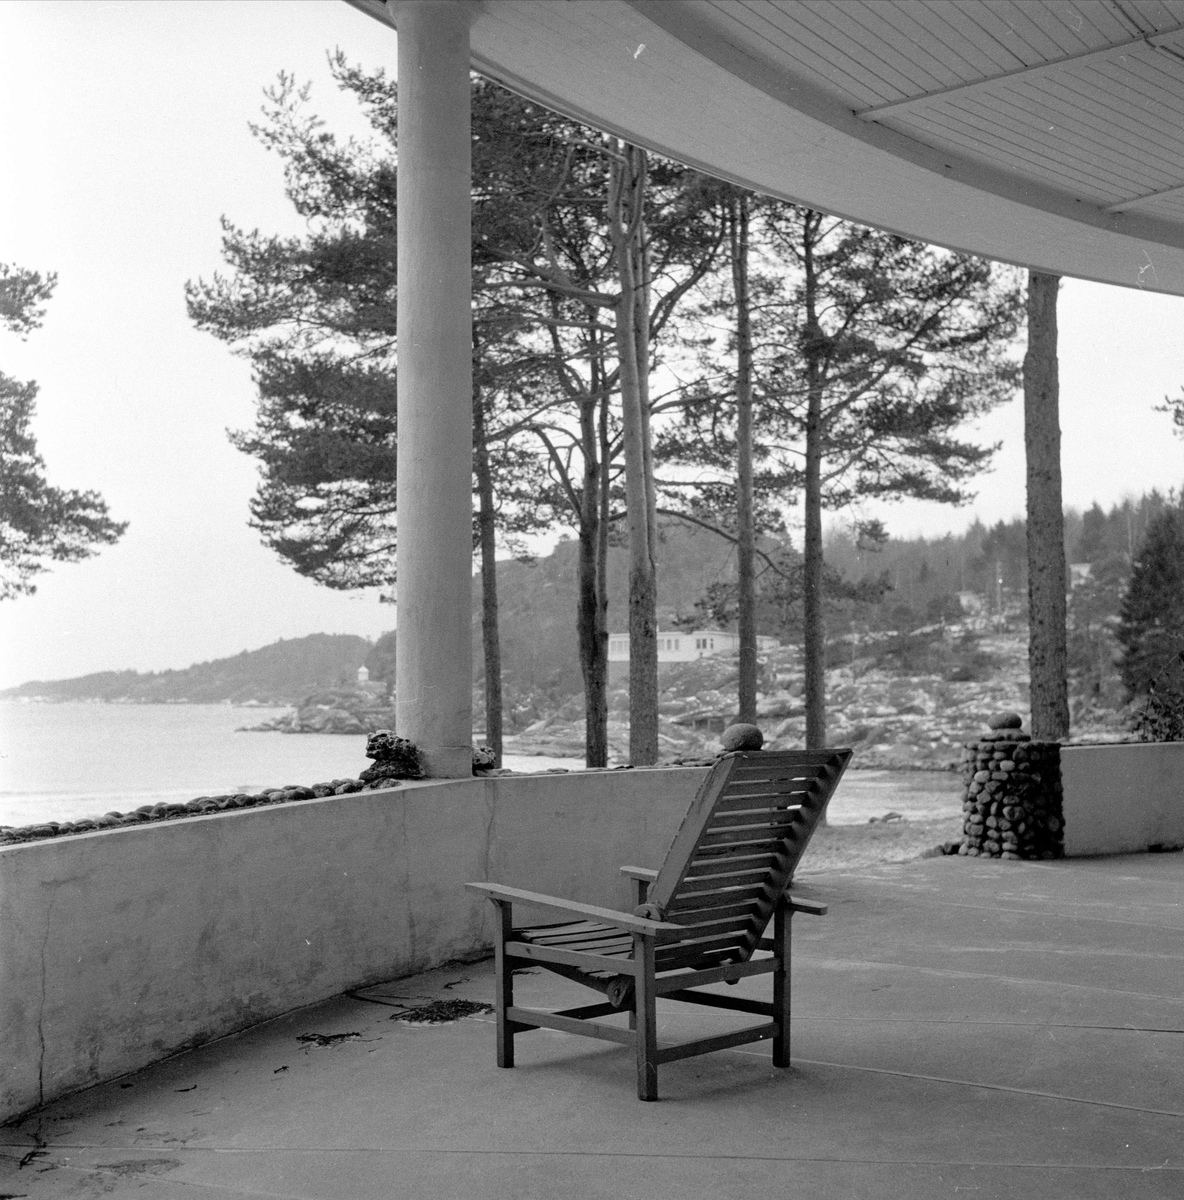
(39, 524)
(870, 351)
(1151, 628)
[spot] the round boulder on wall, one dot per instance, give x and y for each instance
(742, 736)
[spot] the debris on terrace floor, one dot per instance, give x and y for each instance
(441, 1012)
(425, 1009)
(329, 1039)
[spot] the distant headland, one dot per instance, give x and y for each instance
(282, 673)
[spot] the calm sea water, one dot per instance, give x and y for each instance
(65, 761)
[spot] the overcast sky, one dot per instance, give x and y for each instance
(124, 139)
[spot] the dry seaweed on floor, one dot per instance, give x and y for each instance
(442, 1012)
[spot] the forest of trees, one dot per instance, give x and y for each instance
(912, 605)
(649, 344)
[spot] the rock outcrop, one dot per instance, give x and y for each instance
(394, 758)
(342, 710)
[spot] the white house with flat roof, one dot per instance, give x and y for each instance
(685, 647)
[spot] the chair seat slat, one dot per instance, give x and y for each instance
(768, 787)
(723, 835)
(728, 856)
(725, 944)
(729, 937)
(794, 762)
(718, 851)
(713, 898)
(712, 883)
(573, 939)
(713, 867)
(774, 801)
(799, 823)
(732, 880)
(737, 922)
(777, 821)
(610, 947)
(745, 854)
(716, 912)
(771, 815)
(696, 960)
(761, 813)
(560, 928)
(606, 934)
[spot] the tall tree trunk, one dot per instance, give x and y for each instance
(814, 650)
(1047, 658)
(643, 276)
(487, 535)
(590, 622)
(627, 190)
(813, 636)
(745, 539)
(604, 432)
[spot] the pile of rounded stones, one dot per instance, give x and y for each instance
(1012, 798)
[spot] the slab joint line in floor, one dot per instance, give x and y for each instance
(585, 1153)
(994, 1087)
(956, 974)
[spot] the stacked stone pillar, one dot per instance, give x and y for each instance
(1012, 798)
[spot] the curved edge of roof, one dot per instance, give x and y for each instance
(656, 73)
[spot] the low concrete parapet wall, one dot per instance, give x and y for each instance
(1122, 799)
(121, 947)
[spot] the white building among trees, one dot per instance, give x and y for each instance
(682, 646)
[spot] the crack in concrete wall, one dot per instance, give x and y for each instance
(43, 994)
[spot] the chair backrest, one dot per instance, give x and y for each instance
(736, 850)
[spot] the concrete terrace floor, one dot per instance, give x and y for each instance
(961, 1027)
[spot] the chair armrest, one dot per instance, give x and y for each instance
(642, 873)
(814, 907)
(497, 892)
(642, 877)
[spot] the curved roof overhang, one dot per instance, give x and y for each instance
(1048, 134)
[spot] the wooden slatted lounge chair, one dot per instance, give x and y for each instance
(698, 919)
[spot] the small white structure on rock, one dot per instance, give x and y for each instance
(686, 647)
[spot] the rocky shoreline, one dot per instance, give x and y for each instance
(338, 711)
(893, 721)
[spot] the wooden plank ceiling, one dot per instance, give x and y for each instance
(1086, 98)
(1044, 132)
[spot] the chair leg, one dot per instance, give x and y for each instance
(645, 1018)
(782, 916)
(505, 985)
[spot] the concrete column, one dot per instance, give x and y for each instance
(435, 457)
